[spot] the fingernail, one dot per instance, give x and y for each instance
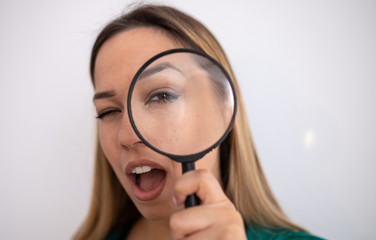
(174, 201)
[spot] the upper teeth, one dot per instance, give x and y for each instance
(143, 169)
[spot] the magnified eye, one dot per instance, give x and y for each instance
(162, 97)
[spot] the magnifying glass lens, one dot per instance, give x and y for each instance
(182, 103)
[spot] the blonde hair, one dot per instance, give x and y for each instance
(243, 179)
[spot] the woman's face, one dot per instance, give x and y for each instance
(147, 177)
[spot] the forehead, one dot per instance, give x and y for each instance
(122, 55)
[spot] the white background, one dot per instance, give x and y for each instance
(308, 75)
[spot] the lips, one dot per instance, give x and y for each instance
(147, 179)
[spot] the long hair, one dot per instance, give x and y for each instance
(243, 179)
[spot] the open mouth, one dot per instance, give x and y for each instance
(147, 178)
(148, 182)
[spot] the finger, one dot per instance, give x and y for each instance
(189, 221)
(202, 218)
(203, 183)
(227, 232)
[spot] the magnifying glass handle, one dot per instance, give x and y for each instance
(192, 200)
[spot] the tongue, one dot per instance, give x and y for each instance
(148, 181)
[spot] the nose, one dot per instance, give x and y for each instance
(127, 138)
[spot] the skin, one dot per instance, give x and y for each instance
(163, 217)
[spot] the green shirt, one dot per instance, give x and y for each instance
(253, 233)
(262, 233)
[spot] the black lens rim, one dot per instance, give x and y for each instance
(181, 158)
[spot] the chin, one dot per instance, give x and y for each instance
(155, 211)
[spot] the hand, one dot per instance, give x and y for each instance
(216, 217)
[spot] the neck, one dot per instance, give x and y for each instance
(148, 229)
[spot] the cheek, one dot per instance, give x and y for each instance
(177, 169)
(108, 140)
(210, 162)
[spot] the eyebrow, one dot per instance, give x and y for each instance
(146, 73)
(105, 94)
(156, 69)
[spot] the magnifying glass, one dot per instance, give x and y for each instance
(182, 104)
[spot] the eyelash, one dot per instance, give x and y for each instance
(106, 113)
(166, 97)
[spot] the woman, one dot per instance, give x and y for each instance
(236, 201)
